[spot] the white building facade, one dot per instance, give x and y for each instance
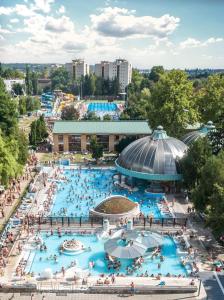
(77, 68)
(10, 82)
(120, 69)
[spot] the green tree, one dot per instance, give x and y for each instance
(17, 88)
(192, 163)
(8, 111)
(156, 72)
(217, 136)
(216, 214)
(38, 131)
(60, 79)
(212, 174)
(9, 167)
(34, 82)
(91, 116)
(96, 149)
(98, 86)
(172, 103)
(211, 98)
(123, 143)
(23, 143)
(107, 117)
(69, 113)
(28, 81)
(32, 103)
(22, 105)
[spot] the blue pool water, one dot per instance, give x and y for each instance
(170, 265)
(87, 188)
(97, 106)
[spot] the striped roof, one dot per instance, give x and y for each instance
(101, 127)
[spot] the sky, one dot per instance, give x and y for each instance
(172, 33)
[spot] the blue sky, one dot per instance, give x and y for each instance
(173, 33)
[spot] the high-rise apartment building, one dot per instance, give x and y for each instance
(120, 69)
(77, 68)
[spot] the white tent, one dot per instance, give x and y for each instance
(131, 249)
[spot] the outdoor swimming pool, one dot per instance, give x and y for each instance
(41, 259)
(86, 188)
(104, 106)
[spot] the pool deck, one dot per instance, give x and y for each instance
(179, 207)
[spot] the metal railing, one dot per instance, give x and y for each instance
(93, 221)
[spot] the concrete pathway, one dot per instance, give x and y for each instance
(213, 284)
(64, 296)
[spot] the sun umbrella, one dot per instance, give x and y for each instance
(121, 249)
(148, 239)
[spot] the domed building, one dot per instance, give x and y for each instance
(116, 207)
(154, 158)
(193, 136)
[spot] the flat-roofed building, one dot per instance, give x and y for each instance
(120, 69)
(72, 136)
(42, 83)
(77, 68)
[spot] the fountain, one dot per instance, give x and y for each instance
(72, 247)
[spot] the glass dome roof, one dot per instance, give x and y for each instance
(153, 157)
(191, 137)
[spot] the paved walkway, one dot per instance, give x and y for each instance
(48, 296)
(24, 182)
(213, 284)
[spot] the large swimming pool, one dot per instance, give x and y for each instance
(86, 188)
(104, 106)
(43, 259)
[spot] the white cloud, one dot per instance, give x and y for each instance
(1, 37)
(4, 31)
(193, 43)
(39, 6)
(71, 46)
(14, 20)
(42, 5)
(6, 10)
(61, 9)
(59, 24)
(121, 23)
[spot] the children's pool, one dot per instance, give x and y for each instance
(44, 259)
(104, 106)
(86, 188)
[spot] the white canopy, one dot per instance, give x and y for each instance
(131, 249)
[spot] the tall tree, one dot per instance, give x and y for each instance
(212, 175)
(156, 72)
(217, 136)
(60, 79)
(34, 82)
(96, 149)
(38, 131)
(172, 103)
(28, 81)
(211, 98)
(17, 88)
(8, 111)
(192, 163)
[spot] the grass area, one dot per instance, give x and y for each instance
(24, 123)
(116, 205)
